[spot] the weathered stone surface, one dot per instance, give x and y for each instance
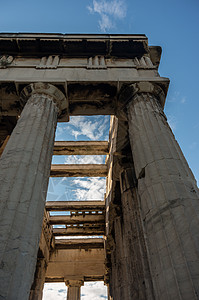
(81, 148)
(66, 263)
(77, 219)
(83, 243)
(139, 283)
(127, 269)
(168, 198)
(36, 291)
(78, 170)
(74, 286)
(24, 171)
(75, 205)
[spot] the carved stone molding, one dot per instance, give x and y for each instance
(48, 62)
(5, 60)
(97, 62)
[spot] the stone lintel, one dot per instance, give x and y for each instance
(62, 279)
(66, 263)
(90, 243)
(78, 170)
(77, 219)
(88, 97)
(98, 229)
(75, 205)
(80, 148)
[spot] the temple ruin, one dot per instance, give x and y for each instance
(145, 233)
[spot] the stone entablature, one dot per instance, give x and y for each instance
(84, 67)
(55, 61)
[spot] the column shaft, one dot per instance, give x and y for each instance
(120, 269)
(74, 286)
(139, 278)
(168, 200)
(36, 291)
(73, 293)
(24, 172)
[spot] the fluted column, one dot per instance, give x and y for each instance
(168, 196)
(119, 268)
(24, 172)
(138, 281)
(74, 287)
(36, 291)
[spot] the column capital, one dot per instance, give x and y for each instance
(74, 282)
(40, 88)
(129, 92)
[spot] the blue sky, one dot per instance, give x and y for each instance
(171, 24)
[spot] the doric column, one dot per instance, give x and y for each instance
(74, 286)
(119, 267)
(36, 291)
(138, 279)
(24, 172)
(168, 195)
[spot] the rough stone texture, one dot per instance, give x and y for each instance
(168, 197)
(80, 148)
(24, 171)
(85, 263)
(139, 277)
(36, 291)
(74, 286)
(129, 268)
(78, 170)
(120, 269)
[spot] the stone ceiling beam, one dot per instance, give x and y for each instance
(98, 229)
(75, 205)
(77, 219)
(78, 170)
(80, 148)
(91, 243)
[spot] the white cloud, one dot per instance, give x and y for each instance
(92, 188)
(93, 130)
(193, 145)
(54, 291)
(108, 10)
(93, 291)
(183, 100)
(84, 159)
(90, 291)
(105, 23)
(176, 97)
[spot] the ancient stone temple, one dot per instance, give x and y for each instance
(145, 241)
